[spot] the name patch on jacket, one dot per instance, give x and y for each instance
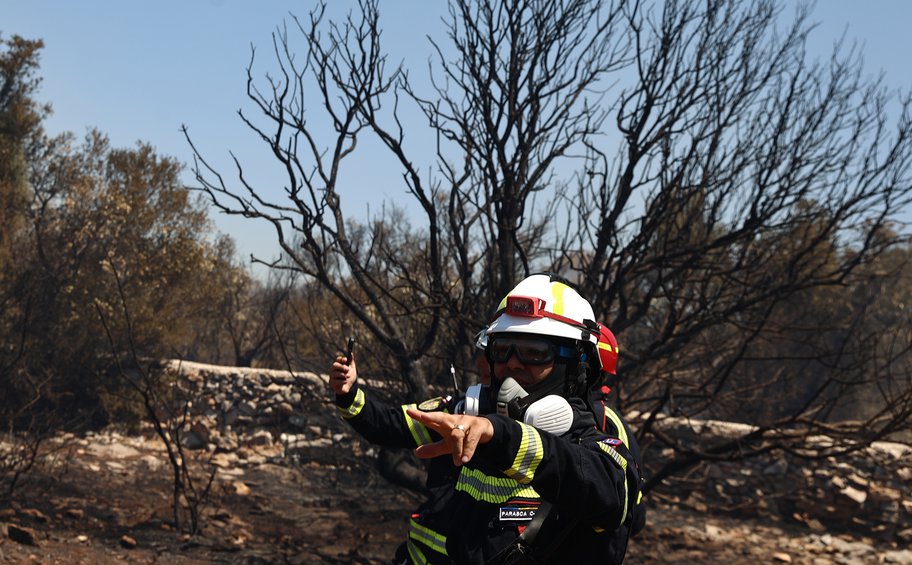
(517, 513)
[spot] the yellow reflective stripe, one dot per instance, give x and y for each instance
(623, 464)
(427, 536)
(616, 420)
(495, 490)
(557, 291)
(420, 434)
(356, 406)
(528, 457)
(618, 458)
(415, 554)
(622, 435)
(605, 345)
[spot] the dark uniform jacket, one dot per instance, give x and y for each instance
(585, 480)
(585, 484)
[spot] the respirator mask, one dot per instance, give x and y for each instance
(551, 413)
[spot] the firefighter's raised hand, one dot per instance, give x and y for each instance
(461, 434)
(343, 374)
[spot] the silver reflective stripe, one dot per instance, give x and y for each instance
(427, 536)
(495, 490)
(530, 454)
(420, 434)
(415, 554)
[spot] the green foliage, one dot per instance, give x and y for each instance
(113, 256)
(117, 240)
(20, 119)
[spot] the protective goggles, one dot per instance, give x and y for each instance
(530, 351)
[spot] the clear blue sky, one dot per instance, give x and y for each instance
(138, 70)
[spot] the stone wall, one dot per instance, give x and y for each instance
(869, 490)
(239, 407)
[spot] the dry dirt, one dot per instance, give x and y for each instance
(106, 499)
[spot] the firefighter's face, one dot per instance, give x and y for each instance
(528, 360)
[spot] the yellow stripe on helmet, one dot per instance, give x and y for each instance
(557, 291)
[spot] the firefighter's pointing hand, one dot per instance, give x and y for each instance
(461, 434)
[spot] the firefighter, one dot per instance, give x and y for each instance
(539, 481)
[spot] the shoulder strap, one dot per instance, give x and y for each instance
(520, 552)
(529, 534)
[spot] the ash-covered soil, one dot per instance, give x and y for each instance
(106, 499)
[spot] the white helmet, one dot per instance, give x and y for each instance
(544, 306)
